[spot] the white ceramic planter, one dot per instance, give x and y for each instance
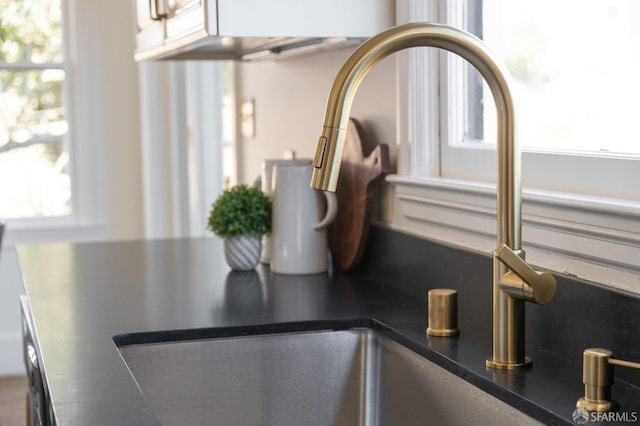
(242, 251)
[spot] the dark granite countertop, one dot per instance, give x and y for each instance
(82, 295)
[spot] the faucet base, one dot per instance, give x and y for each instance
(599, 406)
(499, 365)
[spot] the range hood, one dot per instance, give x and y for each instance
(251, 30)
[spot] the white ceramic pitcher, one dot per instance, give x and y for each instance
(300, 217)
(265, 176)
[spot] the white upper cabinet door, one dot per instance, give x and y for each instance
(237, 29)
(149, 24)
(191, 17)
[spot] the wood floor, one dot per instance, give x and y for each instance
(13, 392)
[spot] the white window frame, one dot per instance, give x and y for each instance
(103, 127)
(542, 169)
(572, 232)
(80, 223)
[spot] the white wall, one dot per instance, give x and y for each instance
(108, 114)
(10, 331)
(290, 97)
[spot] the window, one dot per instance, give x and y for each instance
(87, 135)
(34, 159)
(581, 201)
(575, 81)
(575, 87)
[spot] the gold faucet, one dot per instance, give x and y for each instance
(514, 281)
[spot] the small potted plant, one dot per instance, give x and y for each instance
(241, 215)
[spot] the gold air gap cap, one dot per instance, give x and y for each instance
(443, 312)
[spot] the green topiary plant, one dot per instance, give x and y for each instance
(241, 210)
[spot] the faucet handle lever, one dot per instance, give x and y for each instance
(540, 286)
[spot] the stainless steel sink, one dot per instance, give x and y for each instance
(349, 377)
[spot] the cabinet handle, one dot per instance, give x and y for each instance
(156, 10)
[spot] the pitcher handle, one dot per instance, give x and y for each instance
(332, 210)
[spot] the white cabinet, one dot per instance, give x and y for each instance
(166, 27)
(150, 28)
(243, 29)
(189, 20)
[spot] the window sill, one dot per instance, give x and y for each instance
(55, 229)
(596, 239)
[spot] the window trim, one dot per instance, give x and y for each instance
(590, 237)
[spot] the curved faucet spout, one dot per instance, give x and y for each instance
(514, 282)
(329, 152)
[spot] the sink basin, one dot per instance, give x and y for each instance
(346, 377)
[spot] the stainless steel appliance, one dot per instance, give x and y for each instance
(38, 407)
